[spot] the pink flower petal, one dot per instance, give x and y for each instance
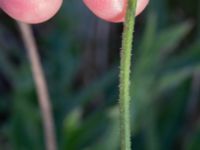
(113, 10)
(31, 11)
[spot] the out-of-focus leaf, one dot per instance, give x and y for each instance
(92, 126)
(110, 139)
(180, 67)
(170, 38)
(94, 88)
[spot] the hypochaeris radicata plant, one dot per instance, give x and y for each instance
(37, 11)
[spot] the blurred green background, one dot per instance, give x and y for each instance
(80, 57)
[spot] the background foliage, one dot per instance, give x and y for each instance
(80, 56)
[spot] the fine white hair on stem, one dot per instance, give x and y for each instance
(41, 85)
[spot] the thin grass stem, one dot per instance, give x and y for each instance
(41, 85)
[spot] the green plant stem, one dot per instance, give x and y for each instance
(125, 70)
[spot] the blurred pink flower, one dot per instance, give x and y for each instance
(113, 10)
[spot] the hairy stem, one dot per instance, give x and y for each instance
(125, 70)
(41, 86)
